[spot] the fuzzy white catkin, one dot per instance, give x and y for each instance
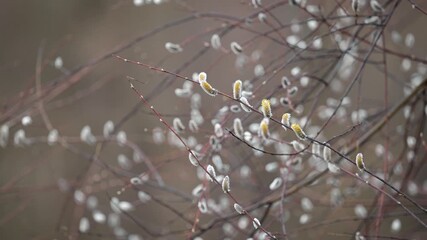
(58, 63)
(238, 128)
(226, 184)
(178, 125)
(121, 138)
(327, 153)
(135, 181)
(244, 104)
(4, 135)
(84, 225)
(211, 170)
(202, 205)
(238, 208)
(360, 211)
(173, 47)
(143, 197)
(86, 135)
(276, 183)
(236, 48)
(218, 130)
(306, 204)
(396, 225)
(108, 128)
(315, 149)
(20, 139)
(192, 125)
(271, 167)
(26, 120)
(193, 159)
(215, 41)
(256, 223)
(304, 218)
(99, 217)
(124, 162)
(126, 206)
(52, 137)
(259, 70)
(235, 108)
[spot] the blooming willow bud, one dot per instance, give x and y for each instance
(263, 129)
(238, 208)
(26, 120)
(211, 171)
(52, 137)
(58, 63)
(215, 42)
(108, 128)
(293, 90)
(244, 104)
(87, 136)
(298, 131)
(193, 159)
(237, 89)
(286, 120)
(177, 125)
(359, 162)
(235, 108)
(218, 130)
(193, 126)
(238, 128)
(256, 223)
(226, 184)
(315, 150)
(327, 153)
(202, 205)
(285, 82)
(202, 77)
(275, 184)
(208, 88)
(284, 101)
(236, 48)
(262, 17)
(173, 47)
(266, 108)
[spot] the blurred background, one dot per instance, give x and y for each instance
(65, 175)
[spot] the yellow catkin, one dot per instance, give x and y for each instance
(203, 76)
(286, 120)
(208, 88)
(237, 89)
(263, 129)
(359, 162)
(298, 131)
(266, 108)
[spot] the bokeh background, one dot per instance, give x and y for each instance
(38, 181)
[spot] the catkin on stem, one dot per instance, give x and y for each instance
(226, 184)
(266, 108)
(237, 89)
(263, 129)
(298, 131)
(359, 162)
